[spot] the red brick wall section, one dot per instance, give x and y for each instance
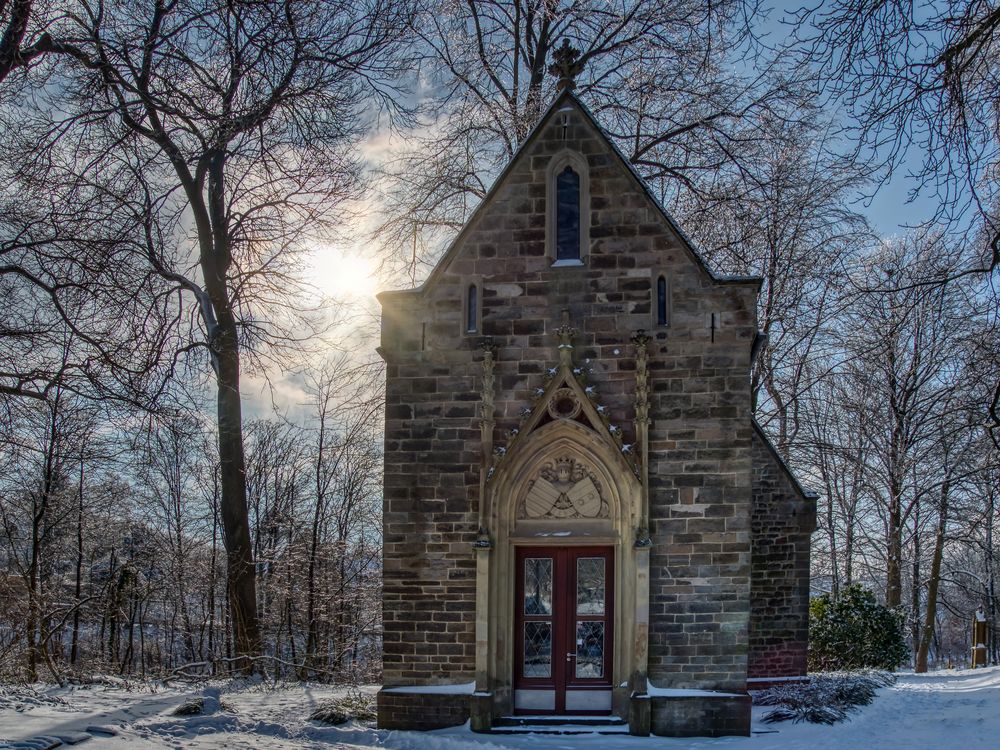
(783, 519)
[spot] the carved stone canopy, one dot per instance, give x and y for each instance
(564, 488)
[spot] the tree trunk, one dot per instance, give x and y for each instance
(894, 557)
(915, 590)
(991, 613)
(235, 520)
(831, 532)
(39, 508)
(78, 588)
(933, 582)
(212, 581)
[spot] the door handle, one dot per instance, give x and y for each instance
(570, 657)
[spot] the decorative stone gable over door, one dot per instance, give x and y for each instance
(563, 479)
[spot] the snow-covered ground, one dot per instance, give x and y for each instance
(955, 710)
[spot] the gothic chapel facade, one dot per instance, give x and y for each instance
(581, 516)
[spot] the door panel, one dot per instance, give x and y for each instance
(563, 630)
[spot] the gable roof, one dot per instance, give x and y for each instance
(804, 491)
(567, 97)
(565, 378)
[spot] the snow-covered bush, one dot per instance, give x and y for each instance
(854, 631)
(355, 705)
(824, 698)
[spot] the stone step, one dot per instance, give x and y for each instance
(560, 725)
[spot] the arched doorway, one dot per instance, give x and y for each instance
(561, 573)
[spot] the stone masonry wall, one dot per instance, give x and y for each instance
(700, 406)
(421, 711)
(783, 520)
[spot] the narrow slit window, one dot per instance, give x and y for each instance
(568, 215)
(472, 309)
(661, 301)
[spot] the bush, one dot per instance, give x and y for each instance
(854, 631)
(824, 699)
(355, 705)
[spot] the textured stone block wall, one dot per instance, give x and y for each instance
(421, 711)
(429, 510)
(701, 716)
(700, 514)
(783, 520)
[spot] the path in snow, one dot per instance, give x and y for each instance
(958, 709)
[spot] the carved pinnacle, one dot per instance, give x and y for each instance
(489, 380)
(565, 333)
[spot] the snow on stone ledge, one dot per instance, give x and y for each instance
(464, 688)
(654, 691)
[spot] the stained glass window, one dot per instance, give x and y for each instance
(537, 649)
(589, 649)
(590, 586)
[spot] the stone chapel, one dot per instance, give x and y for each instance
(581, 517)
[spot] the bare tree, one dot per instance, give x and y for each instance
(220, 132)
(345, 464)
(901, 350)
(793, 226)
(21, 35)
(926, 76)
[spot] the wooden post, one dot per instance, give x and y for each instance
(979, 655)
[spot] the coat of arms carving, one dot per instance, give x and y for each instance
(564, 489)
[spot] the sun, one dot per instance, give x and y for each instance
(344, 274)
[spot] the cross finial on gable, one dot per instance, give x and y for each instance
(565, 65)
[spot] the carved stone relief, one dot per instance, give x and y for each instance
(564, 404)
(564, 488)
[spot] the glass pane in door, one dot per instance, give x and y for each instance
(589, 649)
(590, 586)
(538, 586)
(538, 649)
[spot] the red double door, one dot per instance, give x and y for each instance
(563, 630)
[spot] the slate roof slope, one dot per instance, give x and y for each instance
(804, 491)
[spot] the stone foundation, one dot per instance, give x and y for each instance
(701, 716)
(421, 711)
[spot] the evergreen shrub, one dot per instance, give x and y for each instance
(853, 632)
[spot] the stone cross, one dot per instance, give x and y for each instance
(565, 65)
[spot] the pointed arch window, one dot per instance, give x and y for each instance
(568, 215)
(660, 300)
(567, 192)
(472, 307)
